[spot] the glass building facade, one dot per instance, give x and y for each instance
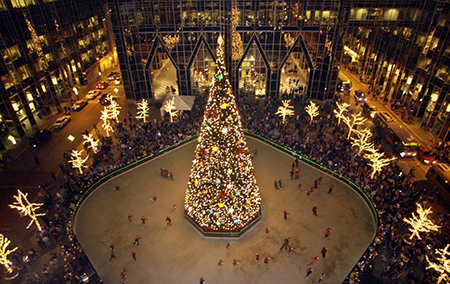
(46, 46)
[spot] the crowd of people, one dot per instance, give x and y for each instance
(325, 142)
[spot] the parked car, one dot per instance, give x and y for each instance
(425, 156)
(104, 100)
(62, 121)
(92, 94)
(360, 96)
(370, 109)
(102, 85)
(40, 137)
(117, 80)
(79, 105)
(113, 75)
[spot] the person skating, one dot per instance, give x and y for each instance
(143, 220)
(202, 281)
(266, 261)
(130, 217)
(235, 263)
(314, 210)
(257, 258)
(323, 252)
(285, 213)
(168, 221)
(228, 246)
(111, 246)
(220, 264)
(297, 172)
(280, 184)
(322, 277)
(327, 232)
(133, 254)
(113, 255)
(136, 240)
(285, 244)
(331, 188)
(276, 184)
(308, 272)
(313, 260)
(267, 231)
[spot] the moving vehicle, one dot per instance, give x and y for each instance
(370, 109)
(425, 156)
(439, 175)
(344, 84)
(40, 137)
(102, 85)
(62, 121)
(396, 135)
(79, 105)
(92, 94)
(104, 99)
(360, 96)
(113, 75)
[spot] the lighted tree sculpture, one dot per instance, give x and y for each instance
(363, 142)
(376, 160)
(441, 264)
(237, 49)
(4, 252)
(352, 121)
(313, 110)
(169, 106)
(106, 117)
(285, 110)
(114, 108)
(222, 194)
(91, 142)
(421, 223)
(341, 110)
(77, 162)
(143, 110)
(27, 209)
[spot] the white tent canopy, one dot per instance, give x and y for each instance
(180, 102)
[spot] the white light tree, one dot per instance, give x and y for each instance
(363, 142)
(143, 110)
(341, 109)
(114, 108)
(92, 143)
(376, 160)
(106, 117)
(421, 223)
(285, 110)
(313, 110)
(77, 162)
(27, 209)
(169, 106)
(442, 264)
(352, 121)
(4, 252)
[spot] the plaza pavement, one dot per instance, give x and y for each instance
(180, 254)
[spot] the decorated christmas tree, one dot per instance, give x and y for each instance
(222, 194)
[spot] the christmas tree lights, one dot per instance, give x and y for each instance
(27, 209)
(421, 223)
(442, 264)
(143, 110)
(114, 108)
(285, 110)
(77, 162)
(341, 109)
(91, 142)
(4, 252)
(237, 49)
(352, 121)
(222, 194)
(313, 110)
(107, 115)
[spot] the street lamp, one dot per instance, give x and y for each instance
(75, 90)
(71, 138)
(116, 91)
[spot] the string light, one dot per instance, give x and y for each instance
(114, 108)
(285, 110)
(77, 162)
(442, 266)
(27, 209)
(341, 109)
(313, 110)
(376, 160)
(171, 41)
(363, 142)
(91, 142)
(143, 110)
(237, 49)
(421, 223)
(4, 243)
(222, 193)
(352, 121)
(169, 106)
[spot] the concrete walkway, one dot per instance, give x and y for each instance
(179, 254)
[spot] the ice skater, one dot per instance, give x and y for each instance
(285, 244)
(130, 217)
(111, 246)
(322, 277)
(266, 261)
(133, 254)
(323, 252)
(280, 184)
(313, 260)
(220, 264)
(327, 232)
(297, 172)
(308, 272)
(285, 213)
(202, 281)
(276, 184)
(143, 220)
(257, 258)
(320, 179)
(314, 210)
(299, 186)
(136, 240)
(228, 246)
(168, 221)
(113, 255)
(235, 263)
(330, 190)
(123, 274)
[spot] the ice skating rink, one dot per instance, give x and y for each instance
(180, 254)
